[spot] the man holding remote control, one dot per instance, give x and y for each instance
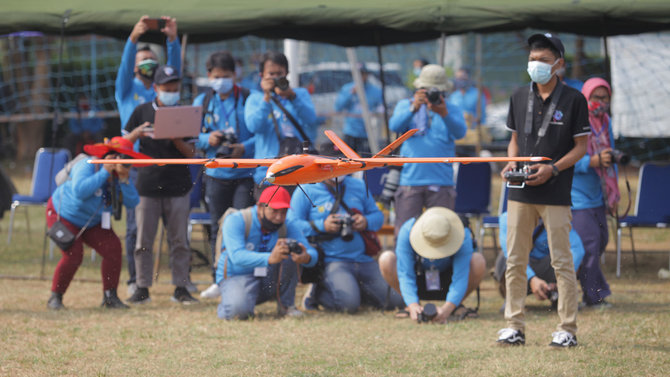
(547, 118)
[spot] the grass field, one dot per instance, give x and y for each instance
(165, 339)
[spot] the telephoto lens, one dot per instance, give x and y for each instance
(391, 181)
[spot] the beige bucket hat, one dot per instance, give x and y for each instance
(432, 76)
(437, 233)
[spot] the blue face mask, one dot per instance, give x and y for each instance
(417, 71)
(221, 85)
(168, 98)
(540, 72)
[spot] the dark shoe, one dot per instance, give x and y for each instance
(601, 305)
(55, 301)
(141, 296)
(563, 339)
(182, 295)
(511, 337)
(111, 301)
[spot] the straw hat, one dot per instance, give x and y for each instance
(432, 76)
(437, 233)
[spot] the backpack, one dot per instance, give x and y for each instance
(64, 174)
(247, 216)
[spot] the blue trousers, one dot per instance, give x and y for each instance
(131, 235)
(221, 194)
(591, 225)
(241, 293)
(348, 285)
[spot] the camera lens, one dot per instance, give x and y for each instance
(281, 83)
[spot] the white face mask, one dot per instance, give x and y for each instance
(540, 72)
(169, 98)
(221, 85)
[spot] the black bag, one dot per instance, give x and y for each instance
(291, 145)
(61, 235)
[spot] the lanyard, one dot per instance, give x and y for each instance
(528, 126)
(265, 238)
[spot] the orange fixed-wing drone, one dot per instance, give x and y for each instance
(299, 169)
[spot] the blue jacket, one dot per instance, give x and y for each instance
(240, 256)
(348, 101)
(79, 197)
(541, 246)
(220, 113)
(130, 91)
(259, 122)
(436, 141)
(460, 263)
(586, 188)
(468, 102)
(302, 213)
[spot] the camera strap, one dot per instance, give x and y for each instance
(528, 125)
(291, 118)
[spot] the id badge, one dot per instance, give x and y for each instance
(432, 280)
(106, 221)
(260, 272)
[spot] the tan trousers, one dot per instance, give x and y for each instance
(521, 221)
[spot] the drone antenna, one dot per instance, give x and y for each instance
(308, 198)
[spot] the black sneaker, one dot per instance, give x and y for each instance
(141, 296)
(111, 301)
(182, 295)
(55, 301)
(563, 339)
(511, 337)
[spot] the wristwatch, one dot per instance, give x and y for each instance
(555, 170)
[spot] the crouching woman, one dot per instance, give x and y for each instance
(83, 205)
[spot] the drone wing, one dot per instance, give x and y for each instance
(385, 161)
(232, 163)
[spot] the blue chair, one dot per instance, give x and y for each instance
(473, 192)
(198, 215)
(652, 207)
(43, 184)
(491, 222)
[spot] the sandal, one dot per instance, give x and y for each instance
(402, 314)
(461, 312)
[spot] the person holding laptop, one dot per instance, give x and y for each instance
(164, 192)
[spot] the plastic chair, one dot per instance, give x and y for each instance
(491, 222)
(652, 208)
(473, 192)
(197, 216)
(43, 184)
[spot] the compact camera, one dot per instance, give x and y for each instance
(619, 157)
(433, 95)
(293, 246)
(428, 314)
(229, 138)
(346, 229)
(281, 82)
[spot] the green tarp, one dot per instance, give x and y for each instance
(343, 22)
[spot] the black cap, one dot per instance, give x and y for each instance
(547, 37)
(165, 74)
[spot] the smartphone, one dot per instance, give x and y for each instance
(154, 23)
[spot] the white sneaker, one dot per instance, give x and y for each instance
(292, 312)
(132, 287)
(563, 339)
(211, 292)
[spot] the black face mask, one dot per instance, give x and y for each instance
(147, 68)
(268, 225)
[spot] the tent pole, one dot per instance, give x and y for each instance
(291, 52)
(608, 67)
(380, 60)
(359, 86)
(441, 49)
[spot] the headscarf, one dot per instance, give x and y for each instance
(599, 139)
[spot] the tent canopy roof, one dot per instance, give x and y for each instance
(342, 22)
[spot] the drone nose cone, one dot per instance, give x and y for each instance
(270, 177)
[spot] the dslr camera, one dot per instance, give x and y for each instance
(229, 138)
(281, 82)
(433, 95)
(293, 246)
(428, 314)
(346, 231)
(619, 157)
(516, 178)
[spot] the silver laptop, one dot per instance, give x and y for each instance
(177, 121)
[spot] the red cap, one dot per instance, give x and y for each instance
(117, 144)
(280, 197)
